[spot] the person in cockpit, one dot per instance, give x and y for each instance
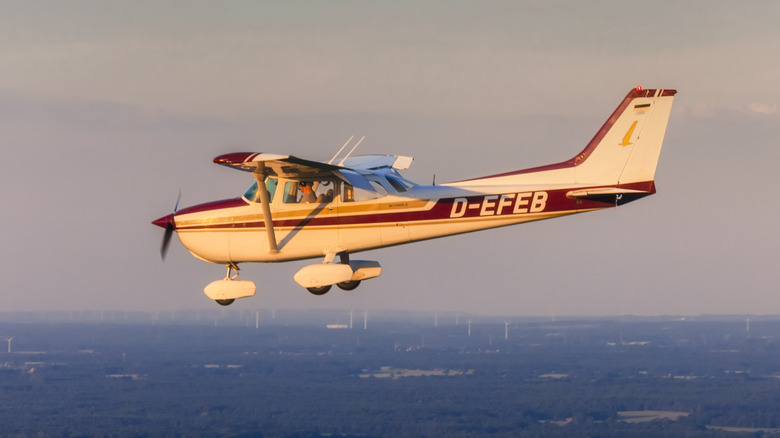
(308, 195)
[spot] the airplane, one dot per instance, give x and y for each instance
(300, 209)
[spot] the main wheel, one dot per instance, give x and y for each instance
(322, 290)
(225, 302)
(349, 285)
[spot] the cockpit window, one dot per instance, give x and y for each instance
(252, 195)
(356, 194)
(397, 184)
(310, 192)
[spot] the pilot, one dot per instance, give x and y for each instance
(308, 194)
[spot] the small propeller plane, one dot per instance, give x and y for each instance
(300, 209)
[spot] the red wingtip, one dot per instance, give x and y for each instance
(234, 158)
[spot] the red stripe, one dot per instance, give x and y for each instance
(557, 201)
(213, 206)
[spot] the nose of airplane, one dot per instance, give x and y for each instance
(164, 221)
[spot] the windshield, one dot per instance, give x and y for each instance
(252, 195)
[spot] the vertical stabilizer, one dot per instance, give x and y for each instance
(624, 151)
(627, 147)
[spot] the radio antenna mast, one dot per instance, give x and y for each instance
(352, 150)
(342, 148)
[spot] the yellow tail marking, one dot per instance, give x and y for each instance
(627, 137)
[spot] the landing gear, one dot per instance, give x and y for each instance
(348, 285)
(322, 290)
(227, 290)
(319, 278)
(344, 285)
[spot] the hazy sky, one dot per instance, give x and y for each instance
(108, 109)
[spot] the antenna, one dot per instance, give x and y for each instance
(352, 150)
(365, 320)
(469, 328)
(506, 330)
(342, 148)
(257, 320)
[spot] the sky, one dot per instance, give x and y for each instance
(109, 108)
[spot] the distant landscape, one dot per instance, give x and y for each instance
(282, 373)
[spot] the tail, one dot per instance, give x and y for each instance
(624, 152)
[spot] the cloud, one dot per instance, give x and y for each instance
(766, 109)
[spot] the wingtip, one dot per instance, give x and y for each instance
(234, 158)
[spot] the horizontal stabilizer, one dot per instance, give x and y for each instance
(610, 195)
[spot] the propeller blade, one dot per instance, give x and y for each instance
(176, 206)
(166, 239)
(167, 223)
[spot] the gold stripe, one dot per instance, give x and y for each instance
(447, 221)
(300, 213)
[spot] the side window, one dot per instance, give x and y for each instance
(326, 191)
(270, 185)
(310, 192)
(253, 195)
(396, 184)
(356, 194)
(291, 193)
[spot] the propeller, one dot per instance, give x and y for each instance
(167, 223)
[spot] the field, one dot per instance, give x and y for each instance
(287, 374)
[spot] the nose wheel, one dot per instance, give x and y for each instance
(225, 292)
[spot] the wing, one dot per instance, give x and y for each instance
(371, 162)
(290, 167)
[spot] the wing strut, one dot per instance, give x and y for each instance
(265, 203)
